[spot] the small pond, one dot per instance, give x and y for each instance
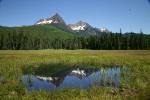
(75, 77)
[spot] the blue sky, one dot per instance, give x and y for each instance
(129, 15)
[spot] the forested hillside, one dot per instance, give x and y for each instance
(30, 37)
(50, 37)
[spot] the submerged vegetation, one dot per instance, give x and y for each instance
(135, 84)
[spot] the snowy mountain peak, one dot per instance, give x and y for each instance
(79, 26)
(104, 30)
(54, 19)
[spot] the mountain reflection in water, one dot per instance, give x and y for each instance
(75, 78)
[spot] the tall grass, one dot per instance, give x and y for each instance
(15, 63)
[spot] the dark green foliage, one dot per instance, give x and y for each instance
(50, 37)
(30, 37)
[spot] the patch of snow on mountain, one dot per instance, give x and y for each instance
(41, 22)
(79, 27)
(49, 21)
(104, 30)
(56, 21)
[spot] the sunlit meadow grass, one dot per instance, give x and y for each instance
(14, 63)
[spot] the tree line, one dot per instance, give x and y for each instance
(106, 41)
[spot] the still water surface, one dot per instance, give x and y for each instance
(75, 78)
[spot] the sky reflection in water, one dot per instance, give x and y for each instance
(76, 78)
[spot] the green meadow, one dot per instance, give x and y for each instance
(15, 63)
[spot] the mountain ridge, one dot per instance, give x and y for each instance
(56, 18)
(80, 28)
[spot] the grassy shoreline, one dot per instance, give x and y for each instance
(12, 64)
